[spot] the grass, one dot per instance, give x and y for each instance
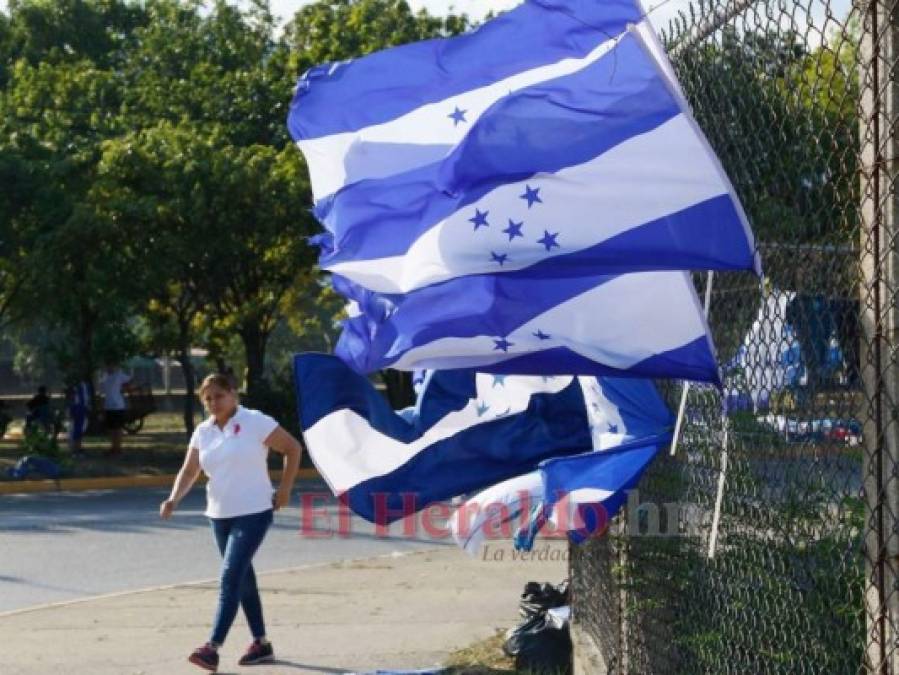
(157, 449)
(485, 658)
(482, 658)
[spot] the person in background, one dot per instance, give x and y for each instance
(231, 448)
(78, 397)
(38, 410)
(113, 384)
(5, 418)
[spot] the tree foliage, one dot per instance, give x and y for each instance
(152, 197)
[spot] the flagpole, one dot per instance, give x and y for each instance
(719, 497)
(683, 399)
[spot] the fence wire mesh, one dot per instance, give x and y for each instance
(800, 101)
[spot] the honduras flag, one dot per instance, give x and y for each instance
(647, 324)
(552, 133)
(468, 431)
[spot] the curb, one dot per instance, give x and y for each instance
(112, 483)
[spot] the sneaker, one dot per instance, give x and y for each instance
(257, 653)
(205, 657)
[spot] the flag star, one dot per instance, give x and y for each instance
(499, 380)
(547, 378)
(613, 428)
(457, 116)
(514, 229)
(480, 219)
(540, 335)
(549, 240)
(532, 196)
(502, 344)
(498, 257)
(482, 408)
(505, 412)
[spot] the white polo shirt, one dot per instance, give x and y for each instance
(234, 459)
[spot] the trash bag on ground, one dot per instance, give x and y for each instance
(541, 641)
(537, 597)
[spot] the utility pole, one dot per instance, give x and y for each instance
(879, 302)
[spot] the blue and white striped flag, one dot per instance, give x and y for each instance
(646, 324)
(468, 431)
(552, 133)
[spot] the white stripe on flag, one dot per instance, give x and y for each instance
(344, 158)
(619, 323)
(347, 450)
(585, 204)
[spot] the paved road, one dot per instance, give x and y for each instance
(61, 546)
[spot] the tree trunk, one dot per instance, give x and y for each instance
(86, 367)
(187, 368)
(254, 343)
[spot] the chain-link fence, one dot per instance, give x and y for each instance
(768, 541)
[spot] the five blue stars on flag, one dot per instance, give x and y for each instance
(549, 240)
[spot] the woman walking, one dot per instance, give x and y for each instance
(231, 448)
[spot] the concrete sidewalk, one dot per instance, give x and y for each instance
(399, 611)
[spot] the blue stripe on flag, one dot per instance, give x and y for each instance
(541, 129)
(462, 459)
(324, 384)
(335, 98)
(617, 471)
(553, 425)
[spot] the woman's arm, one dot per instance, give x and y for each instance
(184, 481)
(281, 441)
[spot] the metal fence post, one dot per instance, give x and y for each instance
(879, 88)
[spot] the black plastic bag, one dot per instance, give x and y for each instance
(539, 646)
(539, 642)
(537, 598)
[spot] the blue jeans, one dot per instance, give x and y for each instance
(238, 539)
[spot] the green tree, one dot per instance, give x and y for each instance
(154, 183)
(80, 274)
(333, 31)
(263, 225)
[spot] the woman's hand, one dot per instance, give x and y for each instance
(166, 509)
(281, 498)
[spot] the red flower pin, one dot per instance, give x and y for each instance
(236, 429)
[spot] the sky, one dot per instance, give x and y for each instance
(476, 9)
(660, 11)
